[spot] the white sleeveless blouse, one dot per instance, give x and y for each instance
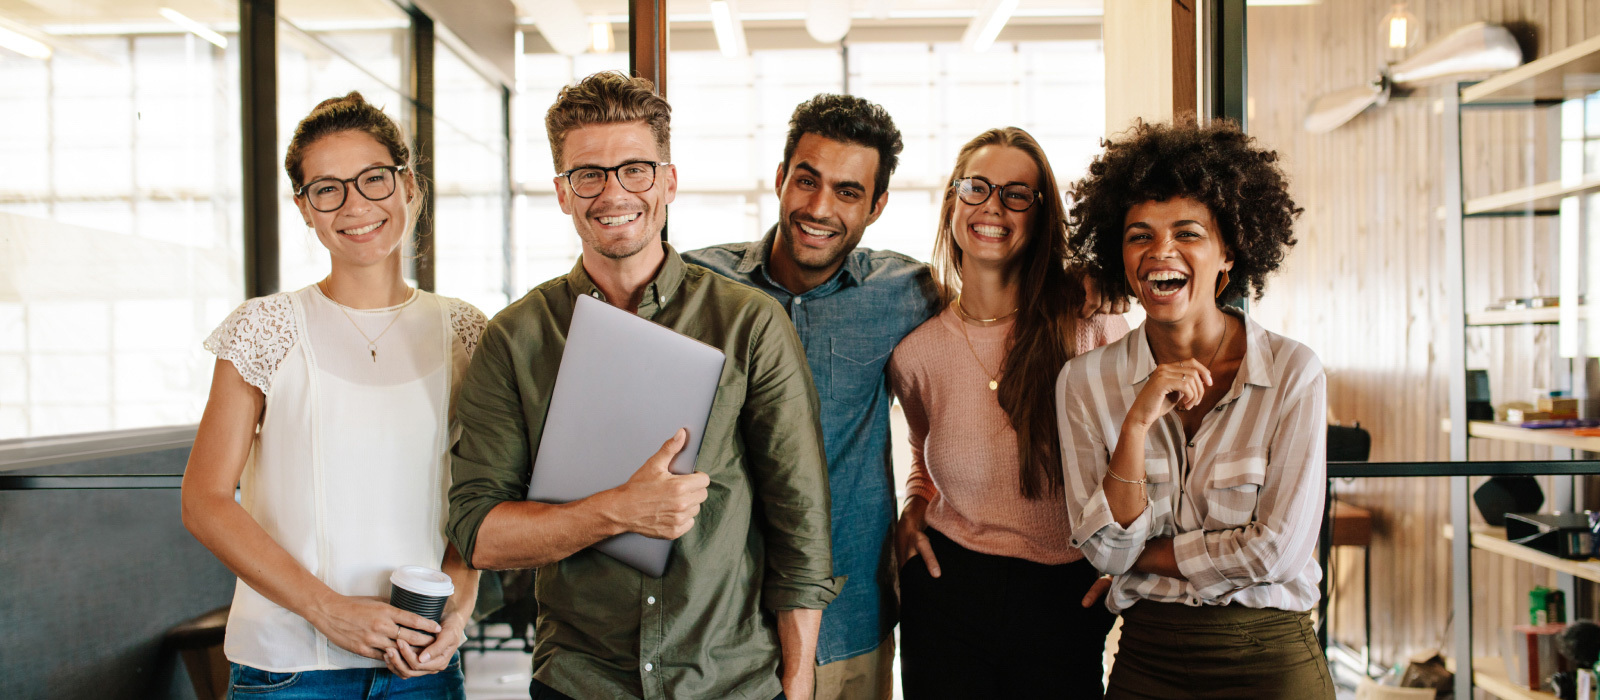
(350, 467)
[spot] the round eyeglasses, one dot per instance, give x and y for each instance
(328, 194)
(635, 176)
(976, 190)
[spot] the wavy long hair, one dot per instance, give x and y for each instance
(1041, 339)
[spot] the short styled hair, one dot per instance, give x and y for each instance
(608, 97)
(1217, 165)
(849, 119)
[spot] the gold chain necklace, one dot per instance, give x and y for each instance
(963, 313)
(994, 380)
(1220, 343)
(372, 342)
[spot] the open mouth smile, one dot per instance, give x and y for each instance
(990, 231)
(618, 219)
(363, 230)
(1166, 283)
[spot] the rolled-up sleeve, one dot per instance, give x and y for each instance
(1279, 543)
(783, 445)
(1085, 457)
(490, 463)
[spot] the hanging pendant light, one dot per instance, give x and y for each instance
(828, 21)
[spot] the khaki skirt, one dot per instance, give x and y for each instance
(1171, 650)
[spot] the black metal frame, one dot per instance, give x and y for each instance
(75, 482)
(258, 112)
(1461, 544)
(1228, 49)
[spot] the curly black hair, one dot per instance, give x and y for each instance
(849, 119)
(1217, 165)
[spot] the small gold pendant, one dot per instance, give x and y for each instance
(373, 348)
(994, 385)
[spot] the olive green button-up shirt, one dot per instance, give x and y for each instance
(760, 543)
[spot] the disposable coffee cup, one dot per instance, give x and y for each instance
(420, 590)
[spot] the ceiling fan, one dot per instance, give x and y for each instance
(1474, 49)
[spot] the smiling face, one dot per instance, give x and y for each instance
(616, 224)
(361, 232)
(989, 233)
(825, 201)
(1172, 253)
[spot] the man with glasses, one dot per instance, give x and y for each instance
(737, 611)
(851, 306)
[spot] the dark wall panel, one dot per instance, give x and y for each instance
(93, 579)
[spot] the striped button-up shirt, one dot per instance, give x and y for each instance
(1241, 499)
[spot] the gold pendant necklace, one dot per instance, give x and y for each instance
(994, 381)
(372, 342)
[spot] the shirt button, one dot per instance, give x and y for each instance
(798, 300)
(1191, 443)
(649, 667)
(651, 600)
(595, 294)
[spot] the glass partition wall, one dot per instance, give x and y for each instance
(120, 216)
(122, 232)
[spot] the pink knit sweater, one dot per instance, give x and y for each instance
(963, 450)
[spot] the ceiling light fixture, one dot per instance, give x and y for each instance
(601, 39)
(730, 31)
(196, 28)
(986, 25)
(24, 44)
(828, 21)
(1400, 30)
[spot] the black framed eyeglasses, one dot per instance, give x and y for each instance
(976, 190)
(328, 194)
(635, 176)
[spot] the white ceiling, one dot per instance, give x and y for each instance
(756, 10)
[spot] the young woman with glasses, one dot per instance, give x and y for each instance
(332, 408)
(991, 588)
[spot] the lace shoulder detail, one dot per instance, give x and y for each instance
(467, 322)
(256, 337)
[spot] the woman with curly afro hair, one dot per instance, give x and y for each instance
(1193, 448)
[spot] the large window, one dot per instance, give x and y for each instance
(120, 217)
(730, 117)
(469, 183)
(325, 53)
(543, 242)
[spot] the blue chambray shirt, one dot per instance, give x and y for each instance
(849, 326)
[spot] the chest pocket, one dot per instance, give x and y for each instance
(855, 368)
(1233, 488)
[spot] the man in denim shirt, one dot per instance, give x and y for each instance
(851, 306)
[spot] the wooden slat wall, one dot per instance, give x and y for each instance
(1366, 287)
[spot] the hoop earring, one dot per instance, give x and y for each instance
(1222, 284)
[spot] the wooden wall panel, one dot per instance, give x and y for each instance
(1366, 286)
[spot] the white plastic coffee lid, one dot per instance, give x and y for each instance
(423, 580)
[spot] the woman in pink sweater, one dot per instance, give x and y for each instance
(990, 583)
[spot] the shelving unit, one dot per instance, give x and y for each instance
(1519, 317)
(1565, 74)
(1493, 539)
(1544, 196)
(1548, 82)
(1489, 673)
(1549, 437)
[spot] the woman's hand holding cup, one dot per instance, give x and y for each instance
(369, 626)
(407, 661)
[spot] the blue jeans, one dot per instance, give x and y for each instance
(246, 683)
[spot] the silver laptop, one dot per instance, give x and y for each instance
(625, 386)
